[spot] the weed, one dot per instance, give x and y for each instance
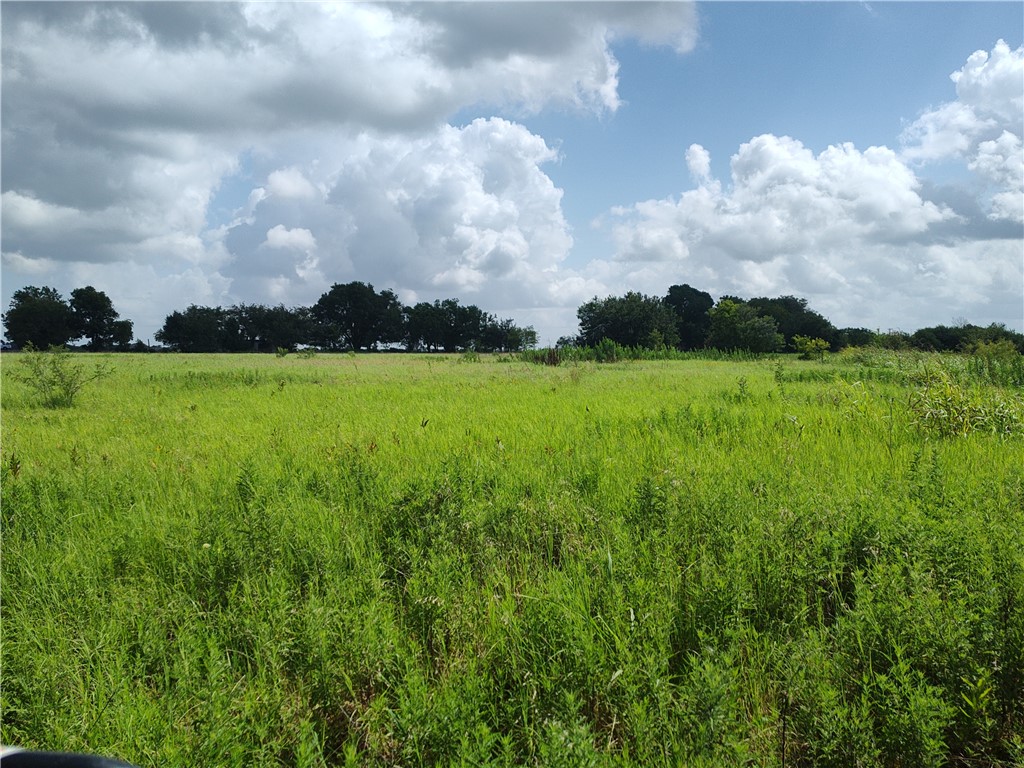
(944, 408)
(54, 376)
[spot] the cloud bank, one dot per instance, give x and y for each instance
(123, 125)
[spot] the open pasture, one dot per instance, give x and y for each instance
(421, 560)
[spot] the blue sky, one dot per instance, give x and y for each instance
(824, 73)
(522, 157)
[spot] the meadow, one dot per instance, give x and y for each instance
(478, 561)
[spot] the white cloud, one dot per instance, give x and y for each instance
(213, 153)
(298, 239)
(991, 84)
(290, 183)
(783, 200)
(854, 231)
(984, 126)
(698, 161)
(465, 212)
(1001, 163)
(847, 229)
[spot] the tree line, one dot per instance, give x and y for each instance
(689, 319)
(41, 317)
(354, 316)
(351, 316)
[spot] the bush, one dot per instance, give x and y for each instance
(945, 408)
(810, 348)
(54, 377)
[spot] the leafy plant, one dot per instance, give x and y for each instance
(946, 408)
(810, 348)
(54, 376)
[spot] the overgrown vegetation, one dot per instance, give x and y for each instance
(53, 376)
(408, 560)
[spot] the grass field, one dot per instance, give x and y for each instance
(425, 560)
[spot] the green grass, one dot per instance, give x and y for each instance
(416, 560)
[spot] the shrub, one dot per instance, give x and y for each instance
(945, 408)
(810, 348)
(54, 376)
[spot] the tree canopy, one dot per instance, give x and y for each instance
(794, 318)
(633, 320)
(95, 319)
(737, 325)
(355, 316)
(352, 316)
(41, 317)
(691, 307)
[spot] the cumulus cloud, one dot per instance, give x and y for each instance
(290, 183)
(858, 232)
(282, 237)
(463, 212)
(783, 199)
(171, 153)
(848, 229)
(698, 160)
(984, 125)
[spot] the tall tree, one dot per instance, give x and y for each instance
(197, 329)
(121, 332)
(424, 326)
(96, 319)
(463, 325)
(633, 320)
(39, 316)
(794, 318)
(355, 316)
(854, 337)
(691, 306)
(737, 325)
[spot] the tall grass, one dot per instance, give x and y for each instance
(389, 560)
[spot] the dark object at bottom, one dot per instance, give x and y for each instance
(16, 758)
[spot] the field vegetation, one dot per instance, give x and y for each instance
(475, 560)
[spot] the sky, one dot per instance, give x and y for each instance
(524, 157)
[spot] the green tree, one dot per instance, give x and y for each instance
(463, 325)
(424, 326)
(691, 306)
(121, 333)
(354, 316)
(737, 325)
(197, 329)
(633, 320)
(39, 316)
(854, 337)
(794, 318)
(505, 336)
(943, 338)
(258, 328)
(96, 319)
